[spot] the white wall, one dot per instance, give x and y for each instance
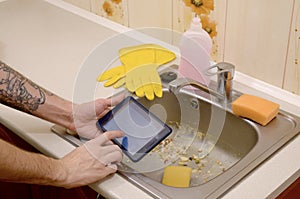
(258, 36)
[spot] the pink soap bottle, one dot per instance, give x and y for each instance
(195, 47)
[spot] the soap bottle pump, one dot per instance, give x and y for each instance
(195, 48)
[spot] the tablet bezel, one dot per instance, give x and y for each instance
(150, 144)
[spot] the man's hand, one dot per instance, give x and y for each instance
(85, 116)
(90, 162)
(86, 164)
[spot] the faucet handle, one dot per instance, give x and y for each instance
(225, 70)
(225, 74)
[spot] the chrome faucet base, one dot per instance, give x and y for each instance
(223, 92)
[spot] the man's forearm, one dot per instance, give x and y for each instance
(21, 93)
(17, 165)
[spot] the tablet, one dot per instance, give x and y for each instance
(143, 130)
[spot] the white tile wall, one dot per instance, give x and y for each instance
(85, 4)
(292, 70)
(257, 36)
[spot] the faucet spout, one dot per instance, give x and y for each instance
(223, 92)
(225, 79)
(179, 83)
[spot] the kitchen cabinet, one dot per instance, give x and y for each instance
(31, 191)
(292, 192)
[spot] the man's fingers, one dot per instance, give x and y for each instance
(113, 134)
(103, 152)
(114, 100)
(109, 154)
(113, 167)
(110, 148)
(103, 138)
(113, 157)
(102, 106)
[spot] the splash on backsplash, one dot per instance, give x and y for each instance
(204, 9)
(209, 26)
(116, 1)
(107, 8)
(111, 9)
(116, 10)
(297, 53)
(200, 6)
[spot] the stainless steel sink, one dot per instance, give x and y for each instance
(241, 147)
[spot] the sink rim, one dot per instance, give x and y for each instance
(233, 174)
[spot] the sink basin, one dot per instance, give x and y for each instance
(237, 136)
(240, 146)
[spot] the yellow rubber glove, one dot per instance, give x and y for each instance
(139, 69)
(143, 85)
(144, 81)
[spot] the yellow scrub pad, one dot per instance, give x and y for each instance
(255, 108)
(177, 176)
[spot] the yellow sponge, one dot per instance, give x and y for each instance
(177, 176)
(255, 108)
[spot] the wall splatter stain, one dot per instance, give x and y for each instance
(107, 8)
(209, 26)
(200, 6)
(116, 1)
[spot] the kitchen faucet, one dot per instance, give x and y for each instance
(223, 92)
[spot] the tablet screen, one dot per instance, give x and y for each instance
(143, 130)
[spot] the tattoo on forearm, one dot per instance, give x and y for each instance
(19, 92)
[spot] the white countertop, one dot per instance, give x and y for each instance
(49, 41)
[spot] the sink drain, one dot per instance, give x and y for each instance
(195, 104)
